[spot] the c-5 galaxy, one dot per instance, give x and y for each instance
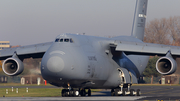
(80, 62)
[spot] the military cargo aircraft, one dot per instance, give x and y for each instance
(80, 62)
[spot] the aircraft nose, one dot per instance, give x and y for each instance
(55, 64)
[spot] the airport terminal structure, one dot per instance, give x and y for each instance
(4, 44)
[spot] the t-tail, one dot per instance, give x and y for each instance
(139, 19)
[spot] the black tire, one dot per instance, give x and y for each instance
(138, 92)
(89, 92)
(63, 93)
(112, 92)
(66, 92)
(83, 92)
(124, 92)
(74, 93)
(71, 93)
(116, 92)
(131, 92)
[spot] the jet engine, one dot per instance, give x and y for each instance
(166, 65)
(13, 66)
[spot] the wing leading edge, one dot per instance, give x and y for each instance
(34, 51)
(141, 48)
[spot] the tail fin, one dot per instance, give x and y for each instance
(139, 19)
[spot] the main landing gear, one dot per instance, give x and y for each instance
(124, 91)
(75, 92)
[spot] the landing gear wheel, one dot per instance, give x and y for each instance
(76, 93)
(124, 92)
(132, 92)
(83, 92)
(89, 92)
(63, 92)
(66, 92)
(116, 92)
(138, 92)
(71, 93)
(112, 92)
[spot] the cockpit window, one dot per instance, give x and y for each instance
(66, 40)
(61, 40)
(71, 41)
(57, 40)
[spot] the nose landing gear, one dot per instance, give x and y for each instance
(75, 92)
(69, 93)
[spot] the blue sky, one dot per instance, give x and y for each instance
(24, 22)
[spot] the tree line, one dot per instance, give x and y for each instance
(161, 31)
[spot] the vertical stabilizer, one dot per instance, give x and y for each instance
(139, 19)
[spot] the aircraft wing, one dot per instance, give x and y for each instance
(141, 48)
(34, 51)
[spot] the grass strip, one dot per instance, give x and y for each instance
(155, 84)
(18, 84)
(33, 92)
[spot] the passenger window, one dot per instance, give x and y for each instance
(57, 40)
(66, 40)
(71, 41)
(61, 40)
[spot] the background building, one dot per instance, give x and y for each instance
(4, 44)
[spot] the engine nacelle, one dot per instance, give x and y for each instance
(13, 66)
(166, 65)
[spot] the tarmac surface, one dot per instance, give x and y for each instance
(161, 93)
(149, 93)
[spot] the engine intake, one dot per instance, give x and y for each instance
(166, 65)
(13, 66)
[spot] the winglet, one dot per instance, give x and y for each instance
(139, 19)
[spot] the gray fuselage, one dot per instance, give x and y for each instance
(88, 62)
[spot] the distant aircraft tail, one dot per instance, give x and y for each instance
(139, 19)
